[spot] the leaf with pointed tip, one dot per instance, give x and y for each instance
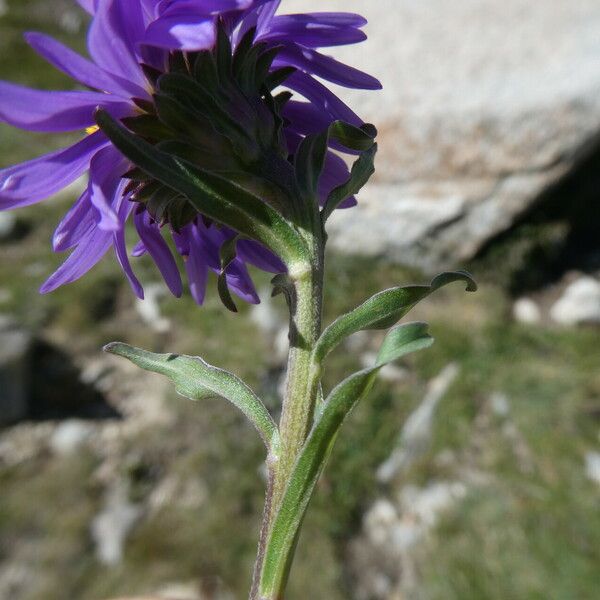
(354, 138)
(362, 170)
(197, 380)
(310, 159)
(399, 342)
(382, 311)
(211, 195)
(228, 253)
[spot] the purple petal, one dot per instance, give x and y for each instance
(306, 118)
(206, 7)
(326, 67)
(116, 30)
(265, 17)
(158, 249)
(184, 32)
(75, 225)
(38, 110)
(326, 19)
(124, 208)
(195, 266)
(88, 253)
(32, 181)
(106, 169)
(138, 250)
(240, 282)
(315, 30)
(257, 255)
(81, 69)
(335, 173)
(322, 98)
(87, 5)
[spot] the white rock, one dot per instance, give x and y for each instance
(8, 221)
(415, 436)
(391, 373)
(111, 527)
(265, 315)
(526, 311)
(69, 436)
(15, 375)
(592, 466)
(475, 121)
(500, 404)
(427, 504)
(149, 308)
(579, 304)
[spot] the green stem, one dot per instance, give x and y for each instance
(301, 395)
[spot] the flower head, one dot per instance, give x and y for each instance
(156, 66)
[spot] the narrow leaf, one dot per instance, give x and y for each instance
(400, 341)
(382, 311)
(228, 253)
(197, 380)
(362, 170)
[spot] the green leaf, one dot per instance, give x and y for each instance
(382, 311)
(355, 138)
(197, 380)
(399, 342)
(309, 162)
(312, 152)
(228, 253)
(211, 195)
(362, 170)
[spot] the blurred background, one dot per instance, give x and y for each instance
(471, 473)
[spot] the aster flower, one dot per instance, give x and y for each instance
(135, 46)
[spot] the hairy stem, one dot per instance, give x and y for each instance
(301, 394)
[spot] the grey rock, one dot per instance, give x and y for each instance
(579, 304)
(485, 105)
(592, 466)
(526, 311)
(112, 526)
(415, 436)
(15, 373)
(69, 436)
(149, 308)
(8, 220)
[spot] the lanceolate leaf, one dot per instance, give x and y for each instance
(400, 341)
(310, 157)
(210, 194)
(197, 380)
(383, 310)
(362, 170)
(228, 253)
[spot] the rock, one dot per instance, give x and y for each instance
(391, 373)
(592, 466)
(69, 436)
(8, 220)
(475, 121)
(15, 373)
(111, 527)
(526, 311)
(382, 557)
(149, 308)
(415, 436)
(500, 405)
(579, 304)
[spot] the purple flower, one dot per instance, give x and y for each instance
(131, 43)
